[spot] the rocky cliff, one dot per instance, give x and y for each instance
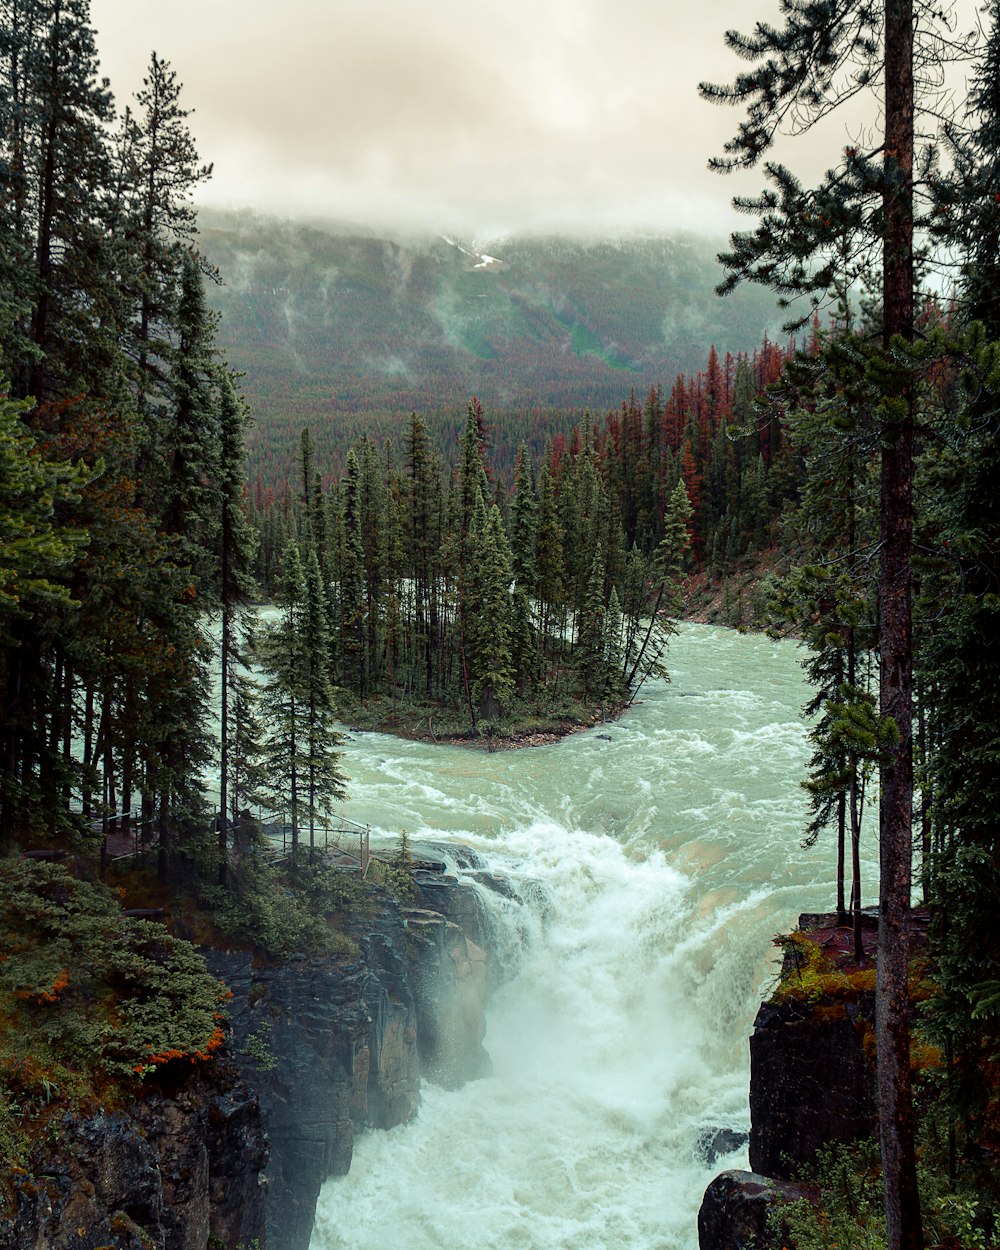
(233, 1152)
(180, 1170)
(811, 1084)
(334, 1046)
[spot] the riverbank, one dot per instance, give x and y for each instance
(427, 722)
(737, 600)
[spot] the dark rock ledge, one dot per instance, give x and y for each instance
(174, 1170)
(336, 1047)
(811, 1084)
(321, 1048)
(736, 1209)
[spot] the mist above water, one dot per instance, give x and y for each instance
(666, 848)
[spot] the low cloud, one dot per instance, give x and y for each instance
(480, 116)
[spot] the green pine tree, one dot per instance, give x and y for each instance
(799, 71)
(487, 615)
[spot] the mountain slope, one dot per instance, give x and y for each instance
(327, 321)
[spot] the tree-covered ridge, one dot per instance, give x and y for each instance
(467, 585)
(735, 458)
(333, 327)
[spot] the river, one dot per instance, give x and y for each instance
(667, 845)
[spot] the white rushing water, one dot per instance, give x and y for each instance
(668, 847)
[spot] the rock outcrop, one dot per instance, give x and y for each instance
(811, 1084)
(179, 1170)
(334, 1046)
(450, 980)
(331, 1046)
(322, 1046)
(737, 1210)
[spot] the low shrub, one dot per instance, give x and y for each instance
(89, 992)
(285, 908)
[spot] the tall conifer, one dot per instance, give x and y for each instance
(824, 53)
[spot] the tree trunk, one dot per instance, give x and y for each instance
(163, 841)
(86, 793)
(856, 801)
(923, 748)
(892, 1024)
(46, 210)
(841, 840)
(225, 659)
(68, 716)
(294, 781)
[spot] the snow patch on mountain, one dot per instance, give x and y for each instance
(480, 260)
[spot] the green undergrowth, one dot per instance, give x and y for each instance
(278, 909)
(93, 1003)
(395, 872)
(270, 907)
(846, 1207)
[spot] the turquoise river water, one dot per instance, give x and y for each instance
(667, 848)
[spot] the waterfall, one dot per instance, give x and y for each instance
(656, 858)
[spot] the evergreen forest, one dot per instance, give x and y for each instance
(499, 595)
(183, 641)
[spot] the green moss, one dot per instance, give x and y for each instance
(811, 976)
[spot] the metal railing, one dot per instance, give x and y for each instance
(346, 837)
(340, 836)
(130, 823)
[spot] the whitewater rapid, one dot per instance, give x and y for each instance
(666, 848)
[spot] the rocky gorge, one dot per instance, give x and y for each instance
(333, 1047)
(233, 1153)
(321, 1048)
(665, 856)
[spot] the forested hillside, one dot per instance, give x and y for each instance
(430, 588)
(348, 332)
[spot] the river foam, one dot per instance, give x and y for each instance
(661, 859)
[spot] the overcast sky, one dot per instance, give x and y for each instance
(481, 116)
